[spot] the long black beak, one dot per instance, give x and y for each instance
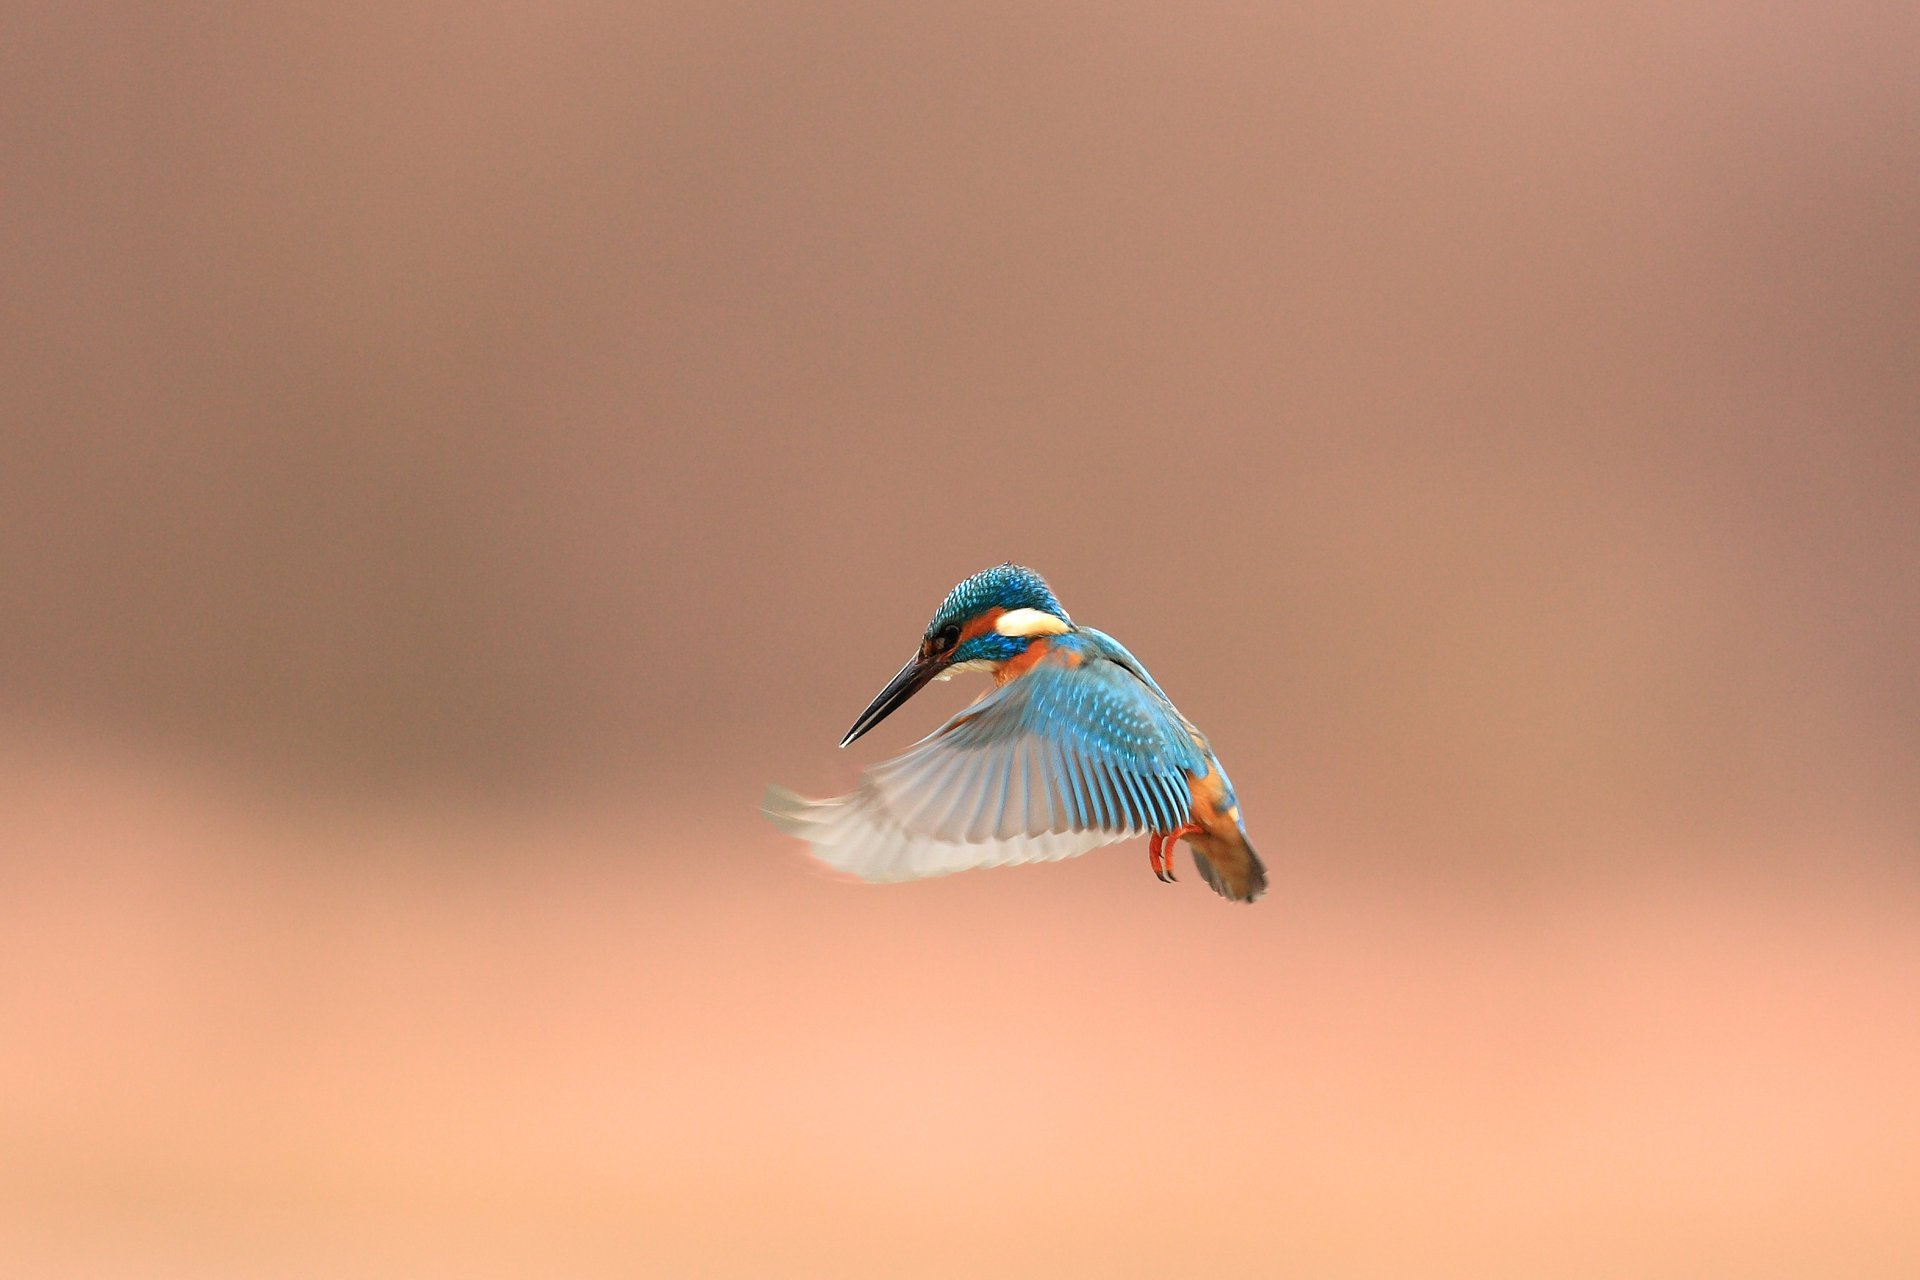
(911, 679)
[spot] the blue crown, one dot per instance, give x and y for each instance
(1007, 586)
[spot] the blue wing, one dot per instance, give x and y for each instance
(1060, 761)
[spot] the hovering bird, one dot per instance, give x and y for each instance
(1074, 748)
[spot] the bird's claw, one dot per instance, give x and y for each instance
(1160, 847)
(1160, 857)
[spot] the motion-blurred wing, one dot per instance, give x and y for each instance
(1060, 761)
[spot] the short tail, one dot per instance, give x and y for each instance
(1228, 863)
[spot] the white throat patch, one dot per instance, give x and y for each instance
(1029, 622)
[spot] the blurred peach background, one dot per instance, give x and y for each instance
(457, 455)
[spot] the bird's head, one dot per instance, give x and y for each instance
(986, 620)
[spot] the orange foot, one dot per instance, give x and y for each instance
(1160, 850)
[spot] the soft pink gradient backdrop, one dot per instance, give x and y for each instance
(457, 455)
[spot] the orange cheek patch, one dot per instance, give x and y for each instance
(981, 625)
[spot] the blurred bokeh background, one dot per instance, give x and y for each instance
(456, 455)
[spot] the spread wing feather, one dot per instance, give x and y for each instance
(1063, 760)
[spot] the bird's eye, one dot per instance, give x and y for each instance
(946, 637)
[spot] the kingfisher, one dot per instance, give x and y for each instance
(1075, 747)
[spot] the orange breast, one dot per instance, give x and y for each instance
(1039, 649)
(1021, 663)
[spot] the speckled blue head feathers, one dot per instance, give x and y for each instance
(989, 619)
(1007, 586)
